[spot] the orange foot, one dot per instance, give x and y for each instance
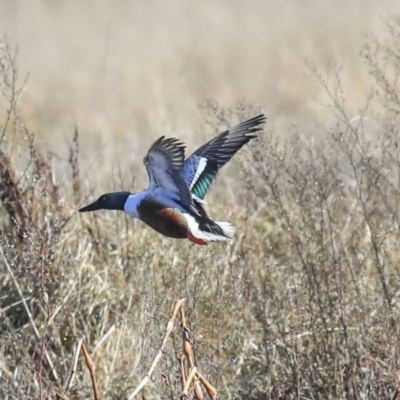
(195, 239)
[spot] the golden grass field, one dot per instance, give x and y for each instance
(304, 303)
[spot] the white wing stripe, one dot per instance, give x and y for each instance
(198, 199)
(200, 168)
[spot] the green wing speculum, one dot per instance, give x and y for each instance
(204, 181)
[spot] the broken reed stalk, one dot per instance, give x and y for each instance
(91, 368)
(158, 356)
(189, 372)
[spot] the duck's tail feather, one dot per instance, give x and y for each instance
(205, 229)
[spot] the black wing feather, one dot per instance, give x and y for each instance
(168, 152)
(224, 146)
(221, 149)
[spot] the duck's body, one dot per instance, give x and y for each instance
(163, 214)
(172, 203)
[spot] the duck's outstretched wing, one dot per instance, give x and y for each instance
(202, 166)
(164, 162)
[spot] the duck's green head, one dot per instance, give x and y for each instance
(108, 201)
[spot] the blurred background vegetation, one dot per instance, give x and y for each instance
(305, 301)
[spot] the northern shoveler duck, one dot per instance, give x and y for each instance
(172, 204)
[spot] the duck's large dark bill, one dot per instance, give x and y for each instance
(90, 207)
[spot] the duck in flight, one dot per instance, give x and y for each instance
(172, 204)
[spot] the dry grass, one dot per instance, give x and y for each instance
(303, 304)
